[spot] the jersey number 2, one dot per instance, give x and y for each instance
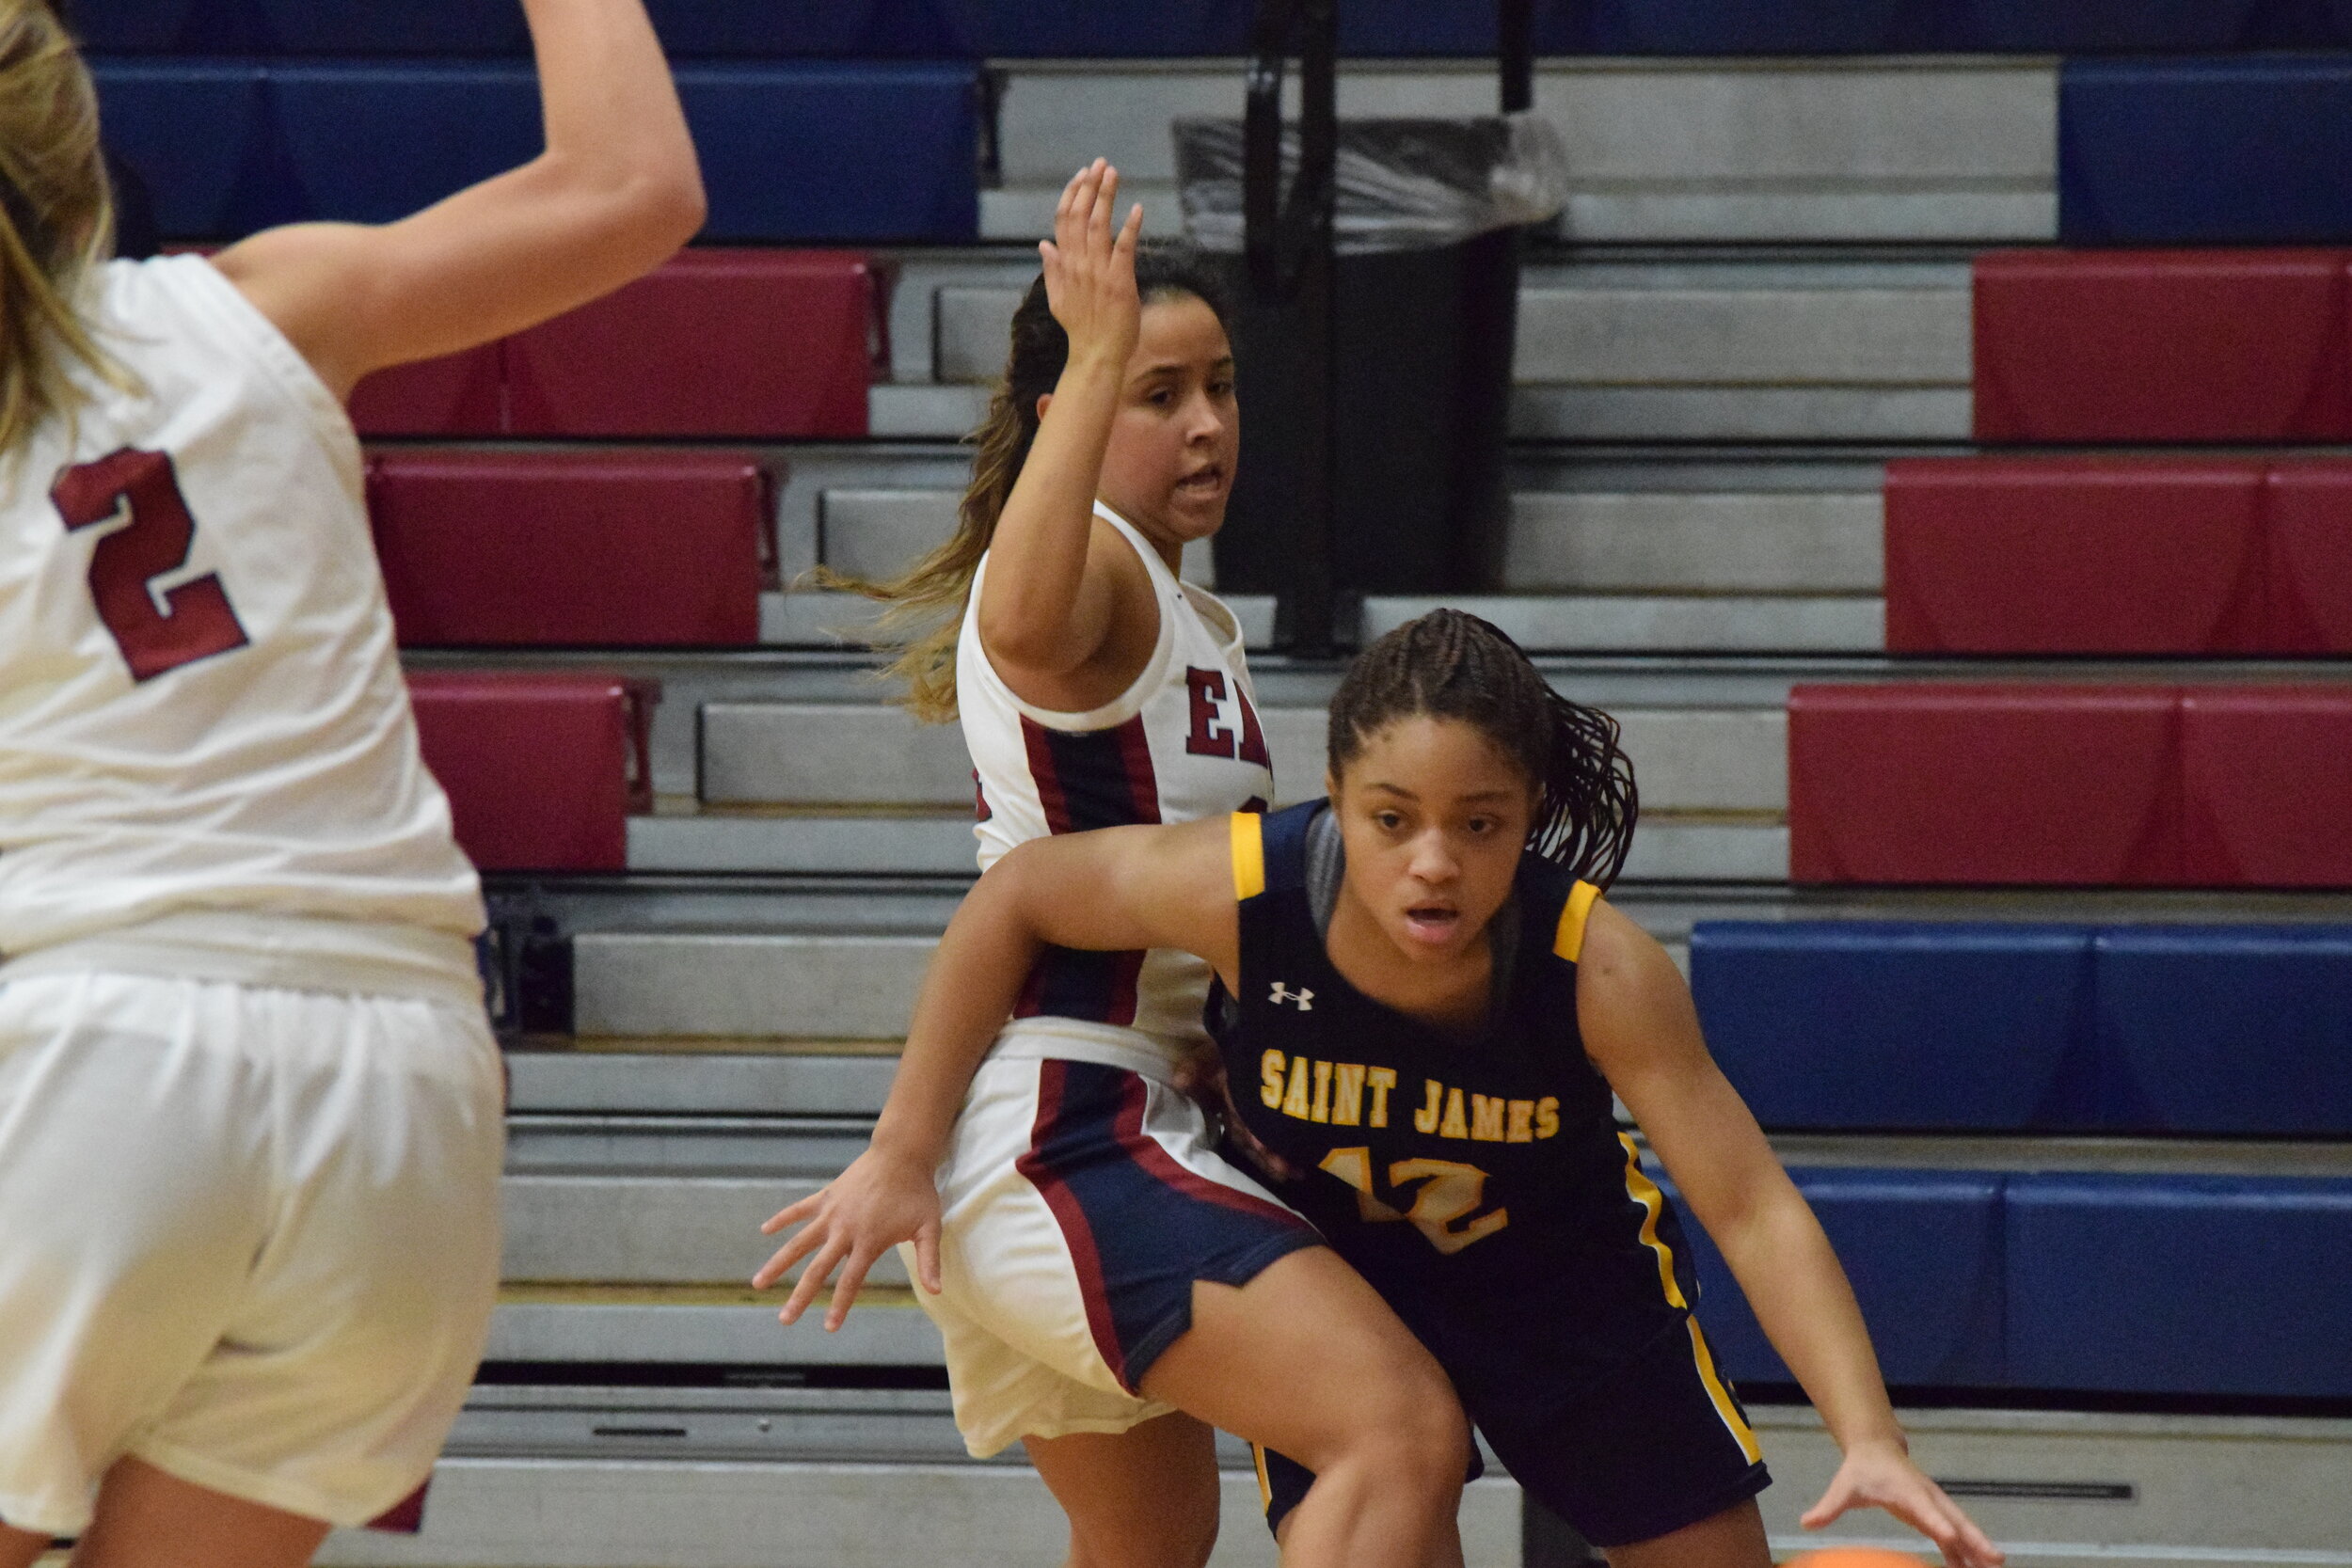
(191, 621)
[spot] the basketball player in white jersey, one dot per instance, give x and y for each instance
(1109, 1288)
(249, 1110)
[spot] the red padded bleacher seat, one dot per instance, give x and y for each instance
(2184, 345)
(612, 549)
(2311, 556)
(2074, 556)
(542, 770)
(2268, 785)
(460, 394)
(718, 343)
(1981, 784)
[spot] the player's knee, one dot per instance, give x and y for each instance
(1186, 1541)
(1412, 1432)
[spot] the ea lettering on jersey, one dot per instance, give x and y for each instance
(1214, 733)
(1355, 1094)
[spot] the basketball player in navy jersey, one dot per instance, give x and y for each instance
(1432, 1005)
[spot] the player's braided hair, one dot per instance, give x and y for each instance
(1452, 665)
(55, 218)
(927, 603)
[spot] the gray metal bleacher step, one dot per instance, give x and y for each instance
(807, 618)
(802, 985)
(1667, 850)
(1633, 541)
(1656, 151)
(1715, 530)
(674, 1227)
(823, 753)
(1726, 348)
(1685, 622)
(640, 1478)
(952, 1513)
(701, 1325)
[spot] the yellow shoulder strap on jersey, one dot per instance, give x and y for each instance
(1569, 941)
(1249, 854)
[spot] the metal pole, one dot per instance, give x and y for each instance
(1290, 246)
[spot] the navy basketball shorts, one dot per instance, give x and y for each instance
(1081, 1202)
(1658, 1442)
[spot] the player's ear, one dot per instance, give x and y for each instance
(1044, 401)
(1331, 786)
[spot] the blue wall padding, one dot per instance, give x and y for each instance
(824, 29)
(1923, 1249)
(2092, 26)
(2241, 151)
(976, 29)
(1854, 1025)
(2243, 1029)
(837, 152)
(336, 27)
(2181, 1285)
(1776, 26)
(200, 134)
(372, 143)
(790, 153)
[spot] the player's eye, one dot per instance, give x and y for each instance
(1388, 821)
(1481, 826)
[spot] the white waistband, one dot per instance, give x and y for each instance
(281, 952)
(1075, 1039)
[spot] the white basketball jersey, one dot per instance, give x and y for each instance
(201, 706)
(1181, 742)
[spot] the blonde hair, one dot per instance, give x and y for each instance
(927, 602)
(57, 219)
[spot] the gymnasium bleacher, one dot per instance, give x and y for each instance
(1925, 439)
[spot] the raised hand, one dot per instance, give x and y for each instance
(1090, 271)
(880, 1200)
(1883, 1476)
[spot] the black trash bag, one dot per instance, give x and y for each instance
(1429, 217)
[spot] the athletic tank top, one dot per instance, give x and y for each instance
(200, 704)
(1459, 1166)
(1181, 742)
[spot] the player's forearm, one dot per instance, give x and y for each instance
(1799, 1291)
(1037, 556)
(974, 980)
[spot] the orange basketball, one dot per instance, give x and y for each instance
(1854, 1557)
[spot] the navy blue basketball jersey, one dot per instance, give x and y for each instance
(1479, 1182)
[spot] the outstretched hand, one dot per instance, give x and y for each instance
(1880, 1475)
(1090, 271)
(879, 1201)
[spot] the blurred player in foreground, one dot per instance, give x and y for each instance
(249, 1107)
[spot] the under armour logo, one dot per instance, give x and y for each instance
(1282, 993)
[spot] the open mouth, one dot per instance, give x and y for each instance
(1433, 924)
(1207, 482)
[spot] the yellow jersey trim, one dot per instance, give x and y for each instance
(1249, 854)
(1569, 941)
(1266, 1482)
(1641, 1190)
(1725, 1406)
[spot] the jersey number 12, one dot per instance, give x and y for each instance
(191, 621)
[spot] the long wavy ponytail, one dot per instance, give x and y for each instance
(56, 220)
(1450, 664)
(925, 602)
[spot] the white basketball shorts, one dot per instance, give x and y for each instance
(1081, 1202)
(249, 1236)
